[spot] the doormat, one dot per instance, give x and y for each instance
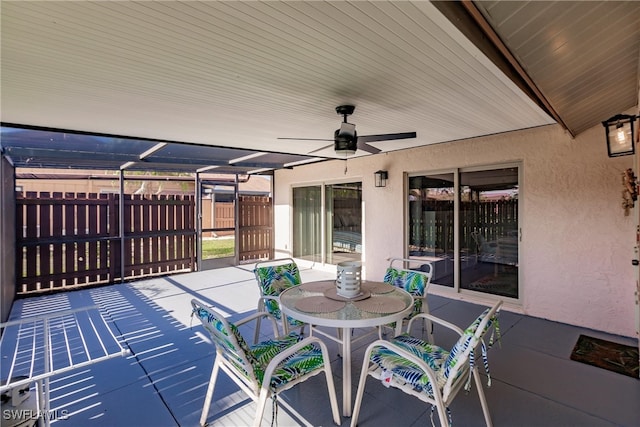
(612, 356)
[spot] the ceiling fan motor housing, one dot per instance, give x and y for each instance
(345, 144)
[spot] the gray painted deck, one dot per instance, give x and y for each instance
(163, 381)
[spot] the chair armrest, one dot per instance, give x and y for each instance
(405, 355)
(263, 298)
(434, 320)
(273, 364)
(257, 315)
(409, 261)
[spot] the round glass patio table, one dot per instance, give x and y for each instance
(368, 310)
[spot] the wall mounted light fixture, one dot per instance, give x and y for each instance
(619, 131)
(381, 178)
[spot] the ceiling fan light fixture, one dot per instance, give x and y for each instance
(345, 145)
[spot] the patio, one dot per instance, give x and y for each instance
(163, 381)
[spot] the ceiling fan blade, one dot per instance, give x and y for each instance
(308, 139)
(385, 137)
(368, 148)
(321, 148)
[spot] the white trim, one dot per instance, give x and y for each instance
(206, 168)
(323, 221)
(247, 157)
(153, 149)
(455, 290)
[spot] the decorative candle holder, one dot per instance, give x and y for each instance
(349, 279)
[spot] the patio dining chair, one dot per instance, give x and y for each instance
(416, 282)
(273, 277)
(266, 369)
(485, 251)
(429, 372)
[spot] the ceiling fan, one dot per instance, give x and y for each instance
(346, 141)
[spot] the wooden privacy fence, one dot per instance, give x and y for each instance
(218, 218)
(225, 216)
(70, 240)
(432, 221)
(256, 228)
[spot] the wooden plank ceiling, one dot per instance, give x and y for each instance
(582, 55)
(242, 74)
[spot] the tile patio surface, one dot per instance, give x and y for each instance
(163, 381)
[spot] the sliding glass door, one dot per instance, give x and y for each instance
(431, 220)
(307, 223)
(466, 224)
(489, 231)
(334, 208)
(344, 222)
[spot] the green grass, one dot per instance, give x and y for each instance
(218, 248)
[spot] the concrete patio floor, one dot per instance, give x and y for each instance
(164, 379)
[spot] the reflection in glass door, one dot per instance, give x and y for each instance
(488, 230)
(344, 222)
(431, 220)
(337, 208)
(478, 210)
(307, 223)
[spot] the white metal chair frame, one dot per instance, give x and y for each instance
(443, 393)
(287, 323)
(237, 366)
(425, 304)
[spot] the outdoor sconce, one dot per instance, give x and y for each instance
(619, 131)
(381, 178)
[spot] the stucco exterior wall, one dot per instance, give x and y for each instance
(577, 245)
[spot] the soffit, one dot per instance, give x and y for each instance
(582, 55)
(242, 74)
